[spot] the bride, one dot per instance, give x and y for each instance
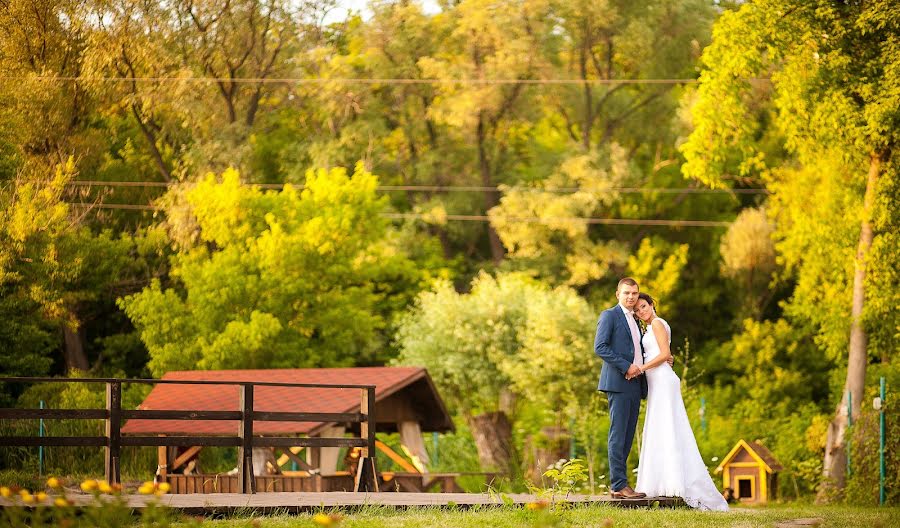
(670, 463)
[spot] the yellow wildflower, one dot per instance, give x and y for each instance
(539, 505)
(146, 488)
(104, 487)
(40, 496)
(60, 501)
(54, 483)
(27, 498)
(164, 487)
(326, 520)
(5, 492)
(89, 485)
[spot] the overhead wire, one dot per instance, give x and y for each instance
(476, 218)
(449, 188)
(354, 80)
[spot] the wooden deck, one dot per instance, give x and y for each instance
(212, 503)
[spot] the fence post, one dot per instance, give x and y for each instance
(366, 475)
(113, 430)
(246, 480)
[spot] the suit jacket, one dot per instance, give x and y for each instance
(613, 344)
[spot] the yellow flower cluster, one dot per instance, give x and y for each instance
(327, 519)
(98, 486)
(55, 484)
(26, 496)
(151, 488)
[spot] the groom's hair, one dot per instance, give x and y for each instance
(627, 280)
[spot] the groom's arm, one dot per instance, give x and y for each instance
(603, 344)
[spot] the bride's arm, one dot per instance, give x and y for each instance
(662, 339)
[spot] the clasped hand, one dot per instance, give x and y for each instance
(633, 372)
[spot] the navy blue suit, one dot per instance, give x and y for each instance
(614, 345)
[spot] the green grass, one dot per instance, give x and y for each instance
(591, 516)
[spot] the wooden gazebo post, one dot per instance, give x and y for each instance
(366, 473)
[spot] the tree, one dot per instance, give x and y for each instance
(51, 269)
(510, 337)
(558, 245)
(276, 279)
(748, 258)
(490, 41)
(836, 101)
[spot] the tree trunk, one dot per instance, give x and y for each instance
(490, 197)
(835, 464)
(74, 349)
(493, 439)
(546, 448)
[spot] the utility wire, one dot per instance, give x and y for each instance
(354, 80)
(447, 188)
(477, 218)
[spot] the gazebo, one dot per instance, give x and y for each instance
(405, 398)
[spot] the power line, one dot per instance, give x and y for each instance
(480, 218)
(573, 219)
(448, 188)
(355, 80)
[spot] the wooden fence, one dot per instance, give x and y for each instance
(245, 441)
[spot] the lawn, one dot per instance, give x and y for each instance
(589, 516)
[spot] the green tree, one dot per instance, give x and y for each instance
(490, 41)
(836, 102)
(51, 269)
(748, 258)
(277, 279)
(510, 337)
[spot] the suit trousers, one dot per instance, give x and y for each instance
(623, 417)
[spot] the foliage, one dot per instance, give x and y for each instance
(863, 481)
(508, 332)
(109, 506)
(71, 460)
(748, 258)
(275, 277)
(565, 477)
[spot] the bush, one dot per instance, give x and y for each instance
(863, 481)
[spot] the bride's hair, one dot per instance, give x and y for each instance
(646, 297)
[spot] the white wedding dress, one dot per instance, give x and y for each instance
(670, 463)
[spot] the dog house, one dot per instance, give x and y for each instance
(750, 471)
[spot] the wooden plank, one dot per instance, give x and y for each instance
(367, 428)
(393, 455)
(26, 379)
(313, 501)
(113, 431)
(162, 462)
(275, 441)
(182, 441)
(144, 414)
(289, 455)
(53, 414)
(271, 416)
(245, 452)
(28, 441)
(184, 457)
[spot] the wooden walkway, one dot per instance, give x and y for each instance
(212, 503)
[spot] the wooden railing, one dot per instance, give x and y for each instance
(245, 441)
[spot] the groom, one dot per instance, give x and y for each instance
(618, 343)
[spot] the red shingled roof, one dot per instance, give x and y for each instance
(387, 381)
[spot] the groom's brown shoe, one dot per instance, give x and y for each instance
(627, 493)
